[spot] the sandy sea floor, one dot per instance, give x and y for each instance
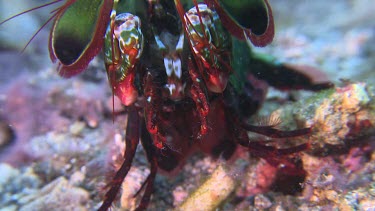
(58, 141)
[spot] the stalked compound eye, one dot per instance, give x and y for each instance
(211, 44)
(123, 47)
(198, 27)
(128, 32)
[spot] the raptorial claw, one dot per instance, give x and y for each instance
(247, 20)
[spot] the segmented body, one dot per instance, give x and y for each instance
(184, 74)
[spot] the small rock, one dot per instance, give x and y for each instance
(261, 202)
(7, 173)
(76, 128)
(179, 195)
(16, 184)
(367, 204)
(332, 195)
(9, 208)
(77, 178)
(335, 115)
(58, 195)
(212, 192)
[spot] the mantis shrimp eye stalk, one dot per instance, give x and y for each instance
(123, 47)
(211, 44)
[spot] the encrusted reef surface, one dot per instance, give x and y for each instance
(339, 166)
(59, 145)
